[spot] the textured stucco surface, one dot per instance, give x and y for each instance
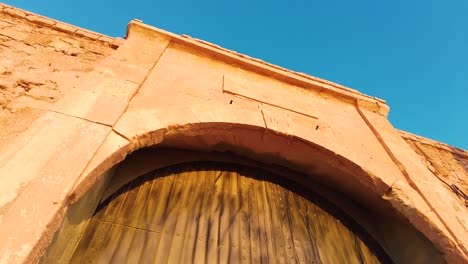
(449, 164)
(160, 89)
(38, 65)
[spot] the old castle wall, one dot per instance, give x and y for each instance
(84, 101)
(39, 63)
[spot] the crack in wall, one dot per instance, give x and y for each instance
(408, 178)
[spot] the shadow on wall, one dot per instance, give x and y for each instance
(462, 159)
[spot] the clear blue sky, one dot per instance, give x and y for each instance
(414, 54)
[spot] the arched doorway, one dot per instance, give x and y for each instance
(207, 212)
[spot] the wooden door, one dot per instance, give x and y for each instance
(219, 213)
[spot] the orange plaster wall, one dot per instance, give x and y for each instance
(158, 88)
(447, 163)
(41, 60)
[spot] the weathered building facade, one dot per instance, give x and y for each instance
(83, 115)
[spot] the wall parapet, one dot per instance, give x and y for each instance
(305, 81)
(60, 26)
(430, 142)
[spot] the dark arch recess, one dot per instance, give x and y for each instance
(261, 175)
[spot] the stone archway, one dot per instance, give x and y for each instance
(384, 229)
(163, 90)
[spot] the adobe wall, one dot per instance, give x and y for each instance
(159, 89)
(447, 163)
(41, 60)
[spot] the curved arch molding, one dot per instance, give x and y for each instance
(163, 90)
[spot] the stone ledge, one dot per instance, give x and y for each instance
(59, 26)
